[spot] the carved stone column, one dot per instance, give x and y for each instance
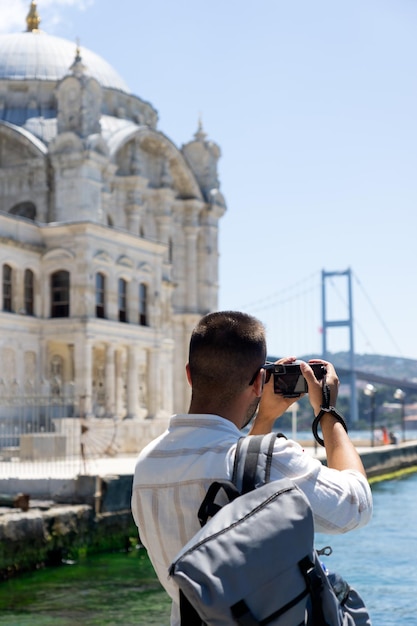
(134, 210)
(132, 383)
(120, 382)
(153, 381)
(83, 359)
(191, 211)
(167, 391)
(191, 234)
(164, 229)
(110, 380)
(209, 259)
(132, 188)
(18, 292)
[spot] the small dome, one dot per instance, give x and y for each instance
(39, 56)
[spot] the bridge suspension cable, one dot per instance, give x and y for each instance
(292, 316)
(287, 294)
(378, 316)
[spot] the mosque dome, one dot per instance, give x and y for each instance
(32, 66)
(35, 55)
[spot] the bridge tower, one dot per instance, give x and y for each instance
(346, 322)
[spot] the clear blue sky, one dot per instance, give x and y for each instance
(314, 105)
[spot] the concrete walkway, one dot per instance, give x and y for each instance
(68, 468)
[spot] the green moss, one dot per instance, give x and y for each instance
(68, 543)
(402, 473)
(118, 588)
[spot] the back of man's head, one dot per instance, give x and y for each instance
(226, 347)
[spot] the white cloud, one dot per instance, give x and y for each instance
(13, 12)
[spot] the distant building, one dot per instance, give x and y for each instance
(108, 233)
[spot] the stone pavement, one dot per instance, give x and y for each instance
(68, 468)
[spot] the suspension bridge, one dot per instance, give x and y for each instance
(298, 308)
(389, 381)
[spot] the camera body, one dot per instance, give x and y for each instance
(289, 381)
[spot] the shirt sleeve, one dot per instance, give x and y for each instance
(340, 500)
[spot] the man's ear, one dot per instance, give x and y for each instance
(187, 371)
(260, 382)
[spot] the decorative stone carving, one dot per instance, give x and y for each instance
(79, 102)
(30, 366)
(166, 178)
(136, 159)
(9, 365)
(69, 105)
(202, 156)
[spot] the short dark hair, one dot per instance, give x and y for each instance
(226, 347)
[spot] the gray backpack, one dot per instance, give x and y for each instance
(254, 563)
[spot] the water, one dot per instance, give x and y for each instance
(104, 590)
(379, 560)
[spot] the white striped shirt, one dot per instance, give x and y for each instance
(174, 472)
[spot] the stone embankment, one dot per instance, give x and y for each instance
(90, 514)
(380, 461)
(384, 460)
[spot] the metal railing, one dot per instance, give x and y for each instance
(43, 434)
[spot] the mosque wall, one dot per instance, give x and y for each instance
(108, 243)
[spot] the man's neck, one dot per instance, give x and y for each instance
(231, 413)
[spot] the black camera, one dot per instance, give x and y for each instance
(288, 379)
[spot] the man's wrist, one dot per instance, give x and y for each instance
(323, 413)
(263, 416)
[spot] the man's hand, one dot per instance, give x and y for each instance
(271, 406)
(315, 389)
(340, 451)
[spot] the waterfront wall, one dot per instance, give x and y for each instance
(86, 515)
(47, 537)
(384, 460)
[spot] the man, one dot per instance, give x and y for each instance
(226, 355)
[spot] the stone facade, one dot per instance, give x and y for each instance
(108, 234)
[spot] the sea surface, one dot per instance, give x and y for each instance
(379, 560)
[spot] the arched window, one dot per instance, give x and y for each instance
(7, 288)
(24, 209)
(143, 304)
(29, 295)
(122, 300)
(100, 295)
(60, 294)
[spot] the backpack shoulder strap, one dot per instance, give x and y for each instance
(189, 616)
(252, 467)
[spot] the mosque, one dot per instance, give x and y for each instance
(108, 234)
